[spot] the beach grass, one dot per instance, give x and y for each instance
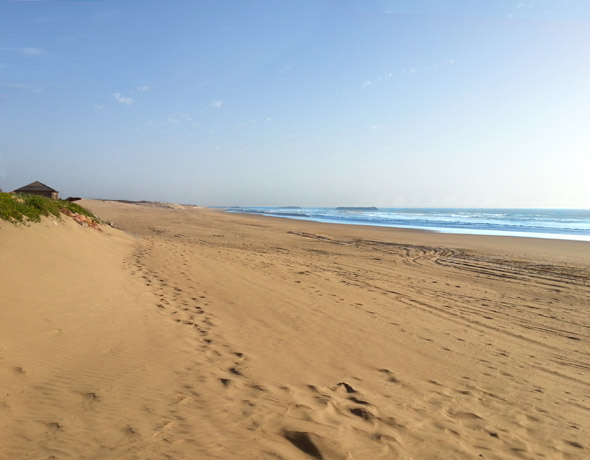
(21, 208)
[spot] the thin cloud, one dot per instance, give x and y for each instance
(23, 87)
(178, 118)
(377, 79)
(217, 103)
(406, 70)
(27, 51)
(30, 51)
(122, 99)
(143, 89)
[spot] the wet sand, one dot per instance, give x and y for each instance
(200, 334)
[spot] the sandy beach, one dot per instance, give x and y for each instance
(193, 333)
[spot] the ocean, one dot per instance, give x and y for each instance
(568, 224)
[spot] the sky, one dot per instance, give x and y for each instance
(421, 103)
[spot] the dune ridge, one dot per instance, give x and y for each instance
(208, 335)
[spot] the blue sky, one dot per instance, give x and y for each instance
(320, 103)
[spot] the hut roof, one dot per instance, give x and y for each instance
(35, 186)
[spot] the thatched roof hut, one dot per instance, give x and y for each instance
(37, 188)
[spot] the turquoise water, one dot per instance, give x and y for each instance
(569, 224)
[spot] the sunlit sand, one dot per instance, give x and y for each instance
(193, 333)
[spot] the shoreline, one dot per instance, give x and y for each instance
(439, 229)
(573, 251)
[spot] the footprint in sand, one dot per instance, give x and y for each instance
(304, 443)
(390, 376)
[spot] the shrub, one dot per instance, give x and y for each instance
(22, 207)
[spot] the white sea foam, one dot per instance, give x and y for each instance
(530, 223)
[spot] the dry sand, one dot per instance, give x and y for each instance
(200, 334)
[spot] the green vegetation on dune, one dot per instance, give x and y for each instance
(21, 208)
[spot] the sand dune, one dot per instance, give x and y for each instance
(200, 334)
